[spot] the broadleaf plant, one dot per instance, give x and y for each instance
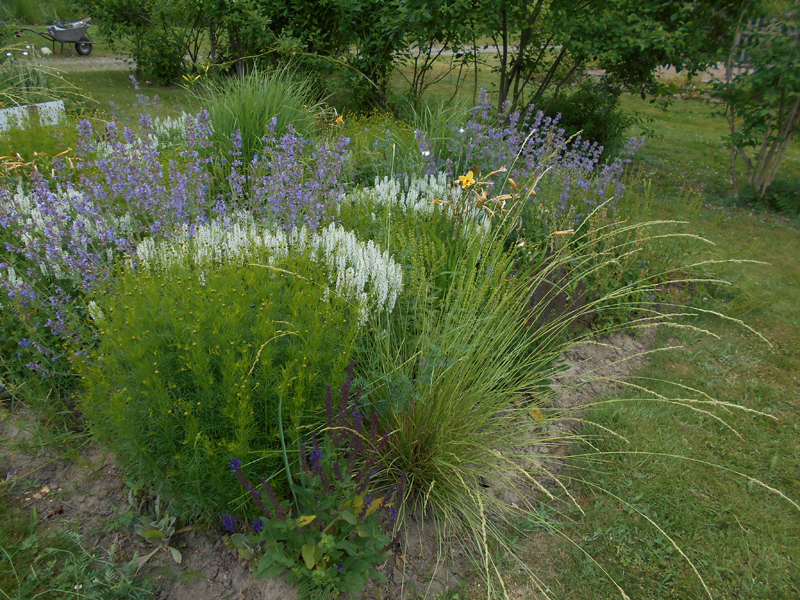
(338, 528)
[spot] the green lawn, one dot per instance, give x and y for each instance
(106, 87)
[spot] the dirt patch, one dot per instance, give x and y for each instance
(89, 496)
(597, 368)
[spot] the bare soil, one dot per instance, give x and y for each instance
(89, 495)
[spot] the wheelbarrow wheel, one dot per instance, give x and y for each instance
(82, 47)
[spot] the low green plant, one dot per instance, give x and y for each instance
(36, 562)
(158, 531)
(337, 529)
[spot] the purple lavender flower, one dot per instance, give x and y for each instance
(531, 145)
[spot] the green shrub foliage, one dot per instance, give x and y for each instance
(194, 367)
(593, 110)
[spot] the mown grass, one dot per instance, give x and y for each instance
(106, 87)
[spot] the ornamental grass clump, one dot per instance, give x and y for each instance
(335, 528)
(249, 104)
(24, 80)
(462, 379)
(219, 342)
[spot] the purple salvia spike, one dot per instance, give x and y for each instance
(373, 430)
(280, 513)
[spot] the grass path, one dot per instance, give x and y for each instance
(741, 537)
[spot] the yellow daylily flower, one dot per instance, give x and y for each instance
(467, 180)
(339, 120)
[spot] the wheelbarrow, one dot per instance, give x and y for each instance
(67, 32)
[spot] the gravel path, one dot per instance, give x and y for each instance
(89, 63)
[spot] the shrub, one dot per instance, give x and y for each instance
(204, 355)
(159, 54)
(593, 111)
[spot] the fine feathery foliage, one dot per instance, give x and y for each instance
(216, 343)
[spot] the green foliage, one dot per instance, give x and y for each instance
(380, 145)
(542, 45)
(439, 121)
(157, 34)
(594, 111)
(158, 531)
(762, 90)
(454, 379)
(37, 12)
(192, 367)
(249, 104)
(339, 529)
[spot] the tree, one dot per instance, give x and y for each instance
(542, 45)
(761, 90)
(157, 34)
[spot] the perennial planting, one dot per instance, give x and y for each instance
(207, 299)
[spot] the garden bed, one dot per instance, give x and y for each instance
(88, 494)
